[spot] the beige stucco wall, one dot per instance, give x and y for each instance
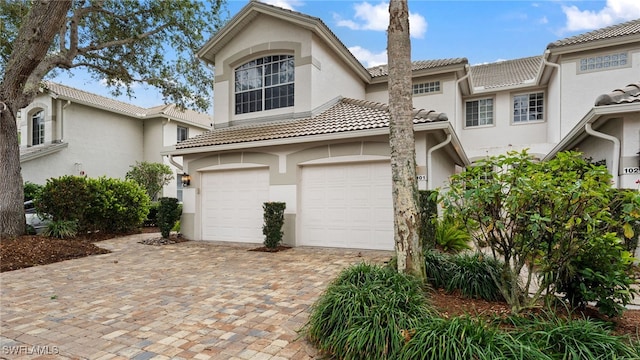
(580, 90)
(284, 168)
(504, 135)
(319, 75)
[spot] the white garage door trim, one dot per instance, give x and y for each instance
(346, 206)
(231, 205)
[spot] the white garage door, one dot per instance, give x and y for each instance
(347, 205)
(232, 204)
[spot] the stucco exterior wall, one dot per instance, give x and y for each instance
(100, 144)
(580, 90)
(504, 135)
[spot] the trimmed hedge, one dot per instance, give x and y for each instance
(273, 221)
(102, 204)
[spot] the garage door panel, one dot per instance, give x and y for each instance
(232, 204)
(354, 210)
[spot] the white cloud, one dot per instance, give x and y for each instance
(543, 20)
(285, 4)
(376, 18)
(615, 11)
(367, 58)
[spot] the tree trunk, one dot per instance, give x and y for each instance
(19, 86)
(402, 142)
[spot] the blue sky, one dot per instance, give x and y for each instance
(482, 31)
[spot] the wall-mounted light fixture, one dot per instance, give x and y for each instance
(186, 180)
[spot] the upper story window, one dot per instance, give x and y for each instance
(264, 84)
(183, 133)
(426, 87)
(528, 107)
(603, 62)
(37, 128)
(479, 112)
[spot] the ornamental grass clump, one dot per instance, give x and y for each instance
(563, 338)
(475, 275)
(364, 313)
(465, 338)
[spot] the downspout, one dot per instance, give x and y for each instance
(429, 166)
(61, 121)
(616, 150)
(458, 125)
(174, 163)
(557, 66)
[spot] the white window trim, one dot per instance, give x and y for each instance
(464, 111)
(439, 91)
(544, 108)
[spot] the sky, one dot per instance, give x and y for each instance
(481, 31)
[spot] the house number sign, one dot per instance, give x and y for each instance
(631, 170)
(421, 177)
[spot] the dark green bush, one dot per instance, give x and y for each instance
(364, 312)
(66, 198)
(273, 221)
(428, 215)
(117, 205)
(152, 216)
(103, 204)
(61, 229)
(169, 212)
(32, 190)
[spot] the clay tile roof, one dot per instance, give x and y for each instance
(88, 98)
(383, 70)
(506, 73)
(624, 29)
(346, 115)
(629, 94)
(173, 111)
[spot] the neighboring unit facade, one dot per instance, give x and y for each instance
(298, 119)
(66, 131)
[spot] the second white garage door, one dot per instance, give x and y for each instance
(232, 204)
(347, 205)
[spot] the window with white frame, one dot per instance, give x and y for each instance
(479, 112)
(604, 62)
(179, 187)
(528, 107)
(183, 133)
(37, 128)
(265, 83)
(426, 87)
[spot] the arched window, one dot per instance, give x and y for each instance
(265, 83)
(37, 128)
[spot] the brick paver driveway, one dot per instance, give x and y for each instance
(190, 300)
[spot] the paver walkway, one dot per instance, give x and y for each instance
(193, 300)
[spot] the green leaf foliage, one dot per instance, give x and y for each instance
(102, 204)
(548, 219)
(151, 176)
(450, 235)
(169, 212)
(428, 215)
(127, 41)
(363, 313)
(61, 229)
(273, 222)
(32, 190)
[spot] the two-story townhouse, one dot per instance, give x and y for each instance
(293, 123)
(67, 131)
(298, 119)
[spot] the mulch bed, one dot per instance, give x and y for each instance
(276, 249)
